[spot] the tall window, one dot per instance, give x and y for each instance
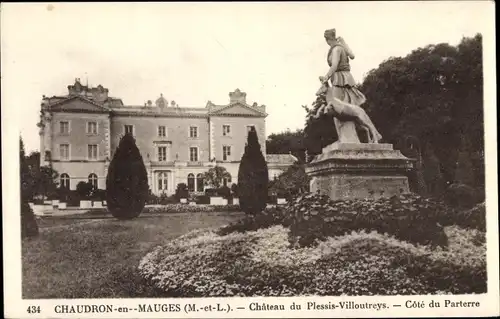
(190, 182)
(64, 181)
(193, 131)
(162, 153)
(249, 127)
(64, 151)
(162, 181)
(64, 127)
(200, 183)
(129, 129)
(226, 181)
(93, 180)
(162, 131)
(226, 130)
(91, 127)
(226, 152)
(92, 151)
(193, 154)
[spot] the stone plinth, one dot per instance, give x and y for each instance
(359, 170)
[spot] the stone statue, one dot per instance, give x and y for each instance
(342, 97)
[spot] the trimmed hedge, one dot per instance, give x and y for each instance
(407, 217)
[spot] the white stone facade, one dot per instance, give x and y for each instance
(79, 133)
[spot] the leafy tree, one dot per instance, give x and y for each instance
(291, 182)
(215, 176)
(127, 181)
(287, 142)
(29, 227)
(435, 95)
(253, 177)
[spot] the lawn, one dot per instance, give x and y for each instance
(99, 259)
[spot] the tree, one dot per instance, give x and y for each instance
(434, 94)
(287, 142)
(127, 181)
(215, 176)
(291, 182)
(253, 177)
(29, 227)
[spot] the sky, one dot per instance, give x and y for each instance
(196, 52)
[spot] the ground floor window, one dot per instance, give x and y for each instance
(200, 183)
(93, 180)
(162, 181)
(191, 182)
(64, 181)
(227, 181)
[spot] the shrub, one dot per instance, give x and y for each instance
(460, 196)
(224, 192)
(265, 219)
(127, 181)
(163, 199)
(181, 191)
(98, 195)
(253, 177)
(291, 183)
(234, 190)
(202, 199)
(408, 217)
(29, 227)
(84, 190)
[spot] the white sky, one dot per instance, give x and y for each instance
(195, 52)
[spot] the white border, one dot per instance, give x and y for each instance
(16, 307)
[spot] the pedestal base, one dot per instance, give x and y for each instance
(356, 170)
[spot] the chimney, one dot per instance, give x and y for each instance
(237, 97)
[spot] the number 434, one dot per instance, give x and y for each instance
(34, 309)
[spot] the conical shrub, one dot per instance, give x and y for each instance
(127, 181)
(253, 177)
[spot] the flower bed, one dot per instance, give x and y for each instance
(184, 208)
(262, 263)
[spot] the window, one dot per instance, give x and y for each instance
(64, 151)
(249, 127)
(129, 129)
(162, 131)
(162, 153)
(64, 181)
(193, 131)
(226, 180)
(226, 152)
(64, 127)
(91, 127)
(200, 183)
(93, 180)
(226, 130)
(92, 152)
(162, 181)
(193, 154)
(190, 182)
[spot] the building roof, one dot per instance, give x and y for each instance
(281, 159)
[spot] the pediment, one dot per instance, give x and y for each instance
(238, 109)
(77, 104)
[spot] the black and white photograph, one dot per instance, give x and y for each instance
(249, 159)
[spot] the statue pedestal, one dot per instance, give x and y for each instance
(359, 170)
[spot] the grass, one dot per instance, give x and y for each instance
(99, 259)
